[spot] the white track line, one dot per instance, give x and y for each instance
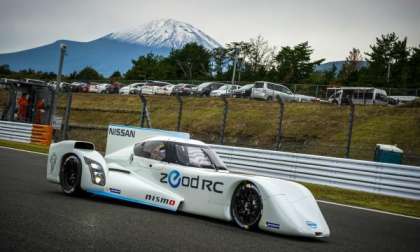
(321, 201)
(28, 151)
(369, 209)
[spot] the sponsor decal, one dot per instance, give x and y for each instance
(122, 132)
(311, 225)
(175, 179)
(159, 199)
(114, 190)
(272, 225)
(53, 161)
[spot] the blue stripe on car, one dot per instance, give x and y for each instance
(138, 201)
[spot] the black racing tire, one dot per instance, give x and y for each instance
(246, 205)
(71, 175)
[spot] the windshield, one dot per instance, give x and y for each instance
(224, 87)
(259, 85)
(247, 87)
(197, 156)
(203, 85)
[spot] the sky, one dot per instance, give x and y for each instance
(332, 27)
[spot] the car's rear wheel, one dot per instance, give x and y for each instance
(70, 175)
(246, 205)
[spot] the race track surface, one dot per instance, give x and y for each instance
(36, 216)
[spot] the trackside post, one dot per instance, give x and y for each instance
(181, 103)
(225, 112)
(65, 125)
(145, 116)
(279, 129)
(350, 130)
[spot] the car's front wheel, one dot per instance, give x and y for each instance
(246, 205)
(70, 175)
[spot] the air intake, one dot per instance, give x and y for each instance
(84, 146)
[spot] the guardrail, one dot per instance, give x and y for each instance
(25, 132)
(382, 178)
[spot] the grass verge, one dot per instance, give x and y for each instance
(367, 200)
(327, 193)
(24, 146)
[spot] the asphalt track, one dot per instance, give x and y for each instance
(36, 216)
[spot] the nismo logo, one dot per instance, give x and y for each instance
(121, 132)
(159, 199)
(175, 179)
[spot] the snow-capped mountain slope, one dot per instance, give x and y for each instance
(165, 33)
(112, 52)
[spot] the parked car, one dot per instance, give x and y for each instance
(114, 88)
(358, 95)
(244, 91)
(131, 88)
(102, 88)
(269, 91)
(204, 89)
(93, 88)
(182, 89)
(151, 86)
(165, 90)
(79, 87)
(225, 90)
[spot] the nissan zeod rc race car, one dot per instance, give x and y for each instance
(171, 171)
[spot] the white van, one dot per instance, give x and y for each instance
(269, 91)
(358, 95)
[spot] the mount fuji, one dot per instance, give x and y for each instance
(111, 52)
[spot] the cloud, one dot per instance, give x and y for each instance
(331, 27)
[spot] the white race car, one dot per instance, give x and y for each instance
(171, 171)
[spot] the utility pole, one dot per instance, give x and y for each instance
(53, 109)
(65, 121)
(234, 65)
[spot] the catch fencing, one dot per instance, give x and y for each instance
(381, 178)
(25, 132)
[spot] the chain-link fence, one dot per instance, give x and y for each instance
(312, 128)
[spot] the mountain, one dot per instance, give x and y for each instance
(111, 52)
(339, 64)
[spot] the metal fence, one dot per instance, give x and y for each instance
(373, 177)
(316, 90)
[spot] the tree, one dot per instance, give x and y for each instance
(349, 71)
(144, 68)
(5, 70)
(414, 68)
(190, 62)
(218, 59)
(330, 74)
(89, 74)
(294, 64)
(116, 75)
(255, 58)
(388, 61)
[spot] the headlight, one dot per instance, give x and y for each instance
(96, 171)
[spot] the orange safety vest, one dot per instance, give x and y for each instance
(40, 106)
(23, 107)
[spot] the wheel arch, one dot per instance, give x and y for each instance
(232, 191)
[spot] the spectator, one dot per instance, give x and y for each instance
(40, 110)
(23, 107)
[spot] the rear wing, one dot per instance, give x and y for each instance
(121, 136)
